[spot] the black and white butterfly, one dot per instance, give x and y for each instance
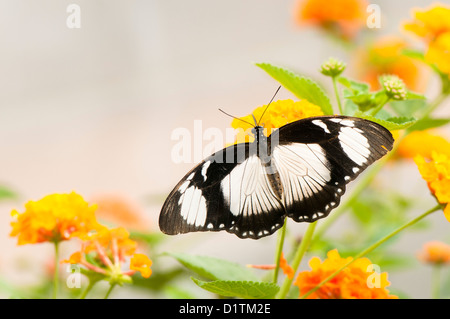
(300, 171)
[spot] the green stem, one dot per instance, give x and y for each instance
(88, 289)
(303, 246)
(111, 287)
(433, 105)
(56, 273)
(436, 281)
(280, 244)
(379, 107)
(372, 247)
(336, 91)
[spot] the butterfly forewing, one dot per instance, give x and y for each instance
(302, 175)
(227, 191)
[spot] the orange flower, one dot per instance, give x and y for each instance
(357, 281)
(287, 270)
(384, 56)
(108, 250)
(54, 218)
(436, 172)
(141, 263)
(343, 18)
(435, 252)
(422, 143)
(120, 211)
(433, 26)
(279, 113)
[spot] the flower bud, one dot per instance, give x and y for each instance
(394, 86)
(332, 67)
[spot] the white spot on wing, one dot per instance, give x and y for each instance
(204, 169)
(322, 125)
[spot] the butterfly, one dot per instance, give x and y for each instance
(299, 171)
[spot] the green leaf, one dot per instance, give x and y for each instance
(214, 268)
(240, 289)
(428, 123)
(302, 87)
(6, 193)
(392, 123)
(407, 107)
(354, 86)
(419, 55)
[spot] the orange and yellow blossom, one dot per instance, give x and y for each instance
(436, 172)
(343, 18)
(110, 248)
(279, 113)
(357, 281)
(54, 218)
(432, 25)
(384, 56)
(422, 143)
(435, 252)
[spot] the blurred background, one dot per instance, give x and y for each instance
(92, 109)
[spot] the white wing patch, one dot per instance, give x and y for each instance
(193, 205)
(303, 170)
(355, 145)
(247, 189)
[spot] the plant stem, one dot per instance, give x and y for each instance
(280, 244)
(56, 271)
(372, 247)
(379, 107)
(88, 288)
(436, 281)
(303, 246)
(338, 98)
(434, 104)
(111, 287)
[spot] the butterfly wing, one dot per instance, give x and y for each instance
(316, 157)
(227, 191)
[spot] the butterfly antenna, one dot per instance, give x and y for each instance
(269, 104)
(237, 118)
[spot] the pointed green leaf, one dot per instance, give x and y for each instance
(392, 123)
(240, 289)
(214, 268)
(302, 87)
(354, 86)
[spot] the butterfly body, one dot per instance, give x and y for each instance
(299, 171)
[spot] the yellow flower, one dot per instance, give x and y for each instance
(435, 252)
(422, 143)
(439, 52)
(430, 23)
(433, 26)
(354, 282)
(279, 113)
(436, 172)
(53, 218)
(108, 250)
(343, 18)
(384, 56)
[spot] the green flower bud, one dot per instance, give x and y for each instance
(394, 87)
(332, 67)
